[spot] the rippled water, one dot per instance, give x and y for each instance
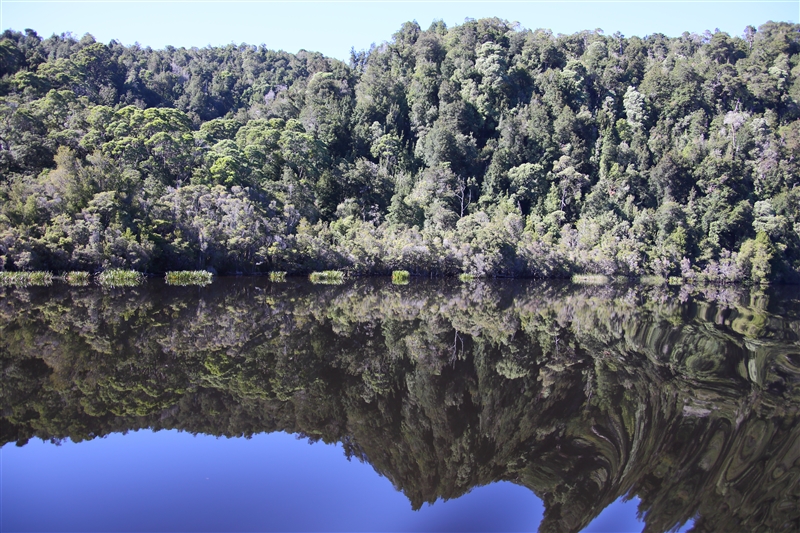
(544, 403)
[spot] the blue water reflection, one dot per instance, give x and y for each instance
(581, 396)
(171, 481)
(621, 517)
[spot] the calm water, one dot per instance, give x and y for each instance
(438, 406)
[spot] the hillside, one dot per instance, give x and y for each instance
(482, 148)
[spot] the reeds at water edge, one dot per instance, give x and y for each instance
(591, 279)
(277, 277)
(25, 279)
(114, 278)
(77, 278)
(189, 277)
(401, 277)
(327, 277)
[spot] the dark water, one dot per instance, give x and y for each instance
(513, 406)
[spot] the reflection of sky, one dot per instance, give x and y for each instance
(171, 481)
(620, 517)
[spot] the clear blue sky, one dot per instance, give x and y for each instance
(333, 27)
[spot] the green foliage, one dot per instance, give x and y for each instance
(401, 277)
(24, 279)
(756, 256)
(78, 278)
(652, 280)
(483, 148)
(327, 277)
(189, 277)
(590, 279)
(277, 277)
(115, 278)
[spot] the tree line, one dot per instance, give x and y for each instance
(482, 148)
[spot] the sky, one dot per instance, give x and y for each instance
(334, 27)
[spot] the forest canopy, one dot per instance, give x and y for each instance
(484, 148)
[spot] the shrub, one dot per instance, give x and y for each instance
(277, 277)
(591, 279)
(466, 277)
(41, 278)
(400, 277)
(327, 277)
(77, 278)
(24, 279)
(119, 278)
(652, 280)
(189, 277)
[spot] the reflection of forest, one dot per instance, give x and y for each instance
(687, 399)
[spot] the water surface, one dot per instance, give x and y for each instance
(507, 405)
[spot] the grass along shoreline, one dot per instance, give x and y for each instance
(114, 278)
(327, 277)
(24, 279)
(189, 277)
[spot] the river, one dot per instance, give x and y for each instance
(433, 406)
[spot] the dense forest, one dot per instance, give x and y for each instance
(484, 148)
(687, 398)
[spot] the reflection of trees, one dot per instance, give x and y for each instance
(689, 401)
